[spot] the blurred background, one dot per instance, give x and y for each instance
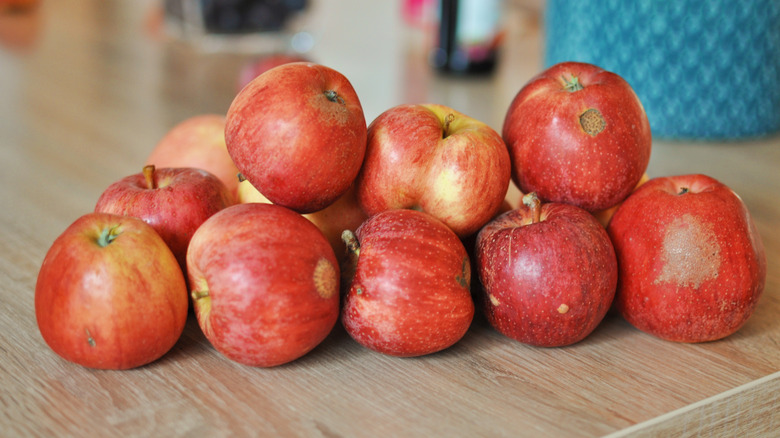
(704, 70)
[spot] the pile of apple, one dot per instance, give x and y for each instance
(289, 214)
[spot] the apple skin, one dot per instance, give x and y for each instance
(297, 132)
(408, 294)
(546, 282)
(594, 163)
(118, 306)
(265, 284)
(198, 142)
(692, 264)
(174, 201)
(432, 158)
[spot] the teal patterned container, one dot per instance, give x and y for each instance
(703, 69)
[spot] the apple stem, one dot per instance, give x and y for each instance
(531, 200)
(447, 122)
(572, 84)
(241, 177)
(107, 235)
(198, 294)
(349, 266)
(683, 190)
(334, 97)
(149, 176)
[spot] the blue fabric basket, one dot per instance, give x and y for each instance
(703, 69)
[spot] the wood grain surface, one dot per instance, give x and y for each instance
(87, 96)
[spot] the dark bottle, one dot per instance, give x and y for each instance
(469, 36)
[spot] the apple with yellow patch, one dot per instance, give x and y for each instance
(691, 263)
(437, 160)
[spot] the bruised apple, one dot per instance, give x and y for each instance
(409, 289)
(110, 294)
(265, 284)
(432, 158)
(692, 264)
(548, 273)
(577, 134)
(297, 132)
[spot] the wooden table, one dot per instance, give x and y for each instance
(87, 89)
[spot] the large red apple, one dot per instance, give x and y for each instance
(548, 273)
(435, 159)
(110, 294)
(265, 283)
(174, 201)
(297, 132)
(692, 264)
(578, 134)
(409, 292)
(198, 142)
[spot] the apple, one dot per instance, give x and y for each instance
(110, 293)
(432, 158)
(577, 134)
(297, 132)
(175, 201)
(408, 290)
(262, 64)
(692, 264)
(548, 273)
(198, 142)
(265, 284)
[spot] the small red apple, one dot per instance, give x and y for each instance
(198, 142)
(438, 160)
(174, 201)
(297, 132)
(110, 294)
(548, 273)
(409, 292)
(692, 264)
(265, 284)
(578, 134)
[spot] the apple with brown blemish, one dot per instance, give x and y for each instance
(692, 264)
(265, 284)
(407, 288)
(548, 273)
(297, 133)
(110, 293)
(577, 134)
(432, 158)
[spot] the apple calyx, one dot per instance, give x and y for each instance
(532, 201)
(683, 190)
(107, 235)
(149, 176)
(349, 266)
(571, 84)
(333, 96)
(199, 294)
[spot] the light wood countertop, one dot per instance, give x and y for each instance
(88, 87)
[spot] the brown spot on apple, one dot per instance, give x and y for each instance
(690, 253)
(325, 278)
(592, 121)
(563, 308)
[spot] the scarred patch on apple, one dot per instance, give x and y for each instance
(691, 254)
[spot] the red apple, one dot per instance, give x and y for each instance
(110, 294)
(265, 284)
(692, 264)
(198, 142)
(409, 289)
(548, 273)
(578, 134)
(435, 159)
(174, 201)
(297, 132)
(258, 66)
